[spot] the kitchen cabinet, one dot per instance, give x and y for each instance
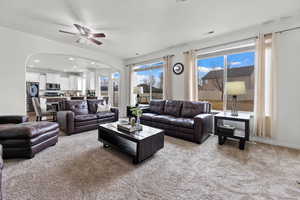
(90, 81)
(73, 82)
(42, 80)
(32, 77)
(53, 78)
(64, 83)
(79, 83)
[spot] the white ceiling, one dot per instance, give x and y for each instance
(140, 26)
(62, 63)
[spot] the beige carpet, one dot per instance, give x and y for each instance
(79, 168)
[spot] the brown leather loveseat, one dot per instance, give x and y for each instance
(81, 115)
(184, 119)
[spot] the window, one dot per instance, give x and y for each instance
(214, 72)
(211, 80)
(116, 80)
(150, 78)
(104, 86)
(240, 67)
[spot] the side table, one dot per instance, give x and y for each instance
(222, 136)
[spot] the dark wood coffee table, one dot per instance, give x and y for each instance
(140, 144)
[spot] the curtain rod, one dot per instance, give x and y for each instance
(254, 37)
(289, 29)
(227, 43)
(148, 61)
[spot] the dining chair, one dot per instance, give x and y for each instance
(40, 113)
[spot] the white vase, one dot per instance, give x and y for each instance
(138, 122)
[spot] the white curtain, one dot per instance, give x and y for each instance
(266, 72)
(191, 81)
(167, 82)
(129, 72)
(273, 104)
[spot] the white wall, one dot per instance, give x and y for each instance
(288, 91)
(177, 50)
(289, 63)
(15, 48)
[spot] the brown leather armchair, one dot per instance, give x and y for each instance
(184, 119)
(23, 139)
(81, 115)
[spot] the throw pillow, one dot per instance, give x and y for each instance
(103, 107)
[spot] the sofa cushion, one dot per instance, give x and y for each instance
(173, 107)
(105, 114)
(184, 122)
(165, 119)
(192, 108)
(148, 116)
(93, 105)
(85, 123)
(79, 107)
(88, 117)
(157, 106)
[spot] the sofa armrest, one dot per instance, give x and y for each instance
(13, 119)
(116, 111)
(203, 127)
(65, 120)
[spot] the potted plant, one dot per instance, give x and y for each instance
(137, 112)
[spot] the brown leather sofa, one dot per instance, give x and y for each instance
(80, 115)
(1, 167)
(23, 139)
(183, 119)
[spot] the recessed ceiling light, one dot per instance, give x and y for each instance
(180, 1)
(92, 63)
(285, 17)
(71, 58)
(36, 61)
(268, 22)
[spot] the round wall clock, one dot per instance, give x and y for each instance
(178, 68)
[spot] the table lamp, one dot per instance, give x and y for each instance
(138, 91)
(235, 88)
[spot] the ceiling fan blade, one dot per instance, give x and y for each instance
(95, 41)
(86, 30)
(67, 32)
(80, 29)
(98, 35)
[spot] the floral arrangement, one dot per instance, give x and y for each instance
(137, 112)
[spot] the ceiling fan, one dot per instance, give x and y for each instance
(86, 33)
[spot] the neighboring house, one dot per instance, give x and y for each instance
(211, 86)
(157, 93)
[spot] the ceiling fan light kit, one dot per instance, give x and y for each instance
(85, 34)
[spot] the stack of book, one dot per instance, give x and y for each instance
(129, 128)
(226, 130)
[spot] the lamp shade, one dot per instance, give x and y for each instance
(236, 88)
(137, 90)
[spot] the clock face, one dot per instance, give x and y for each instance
(178, 68)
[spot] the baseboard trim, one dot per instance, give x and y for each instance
(275, 142)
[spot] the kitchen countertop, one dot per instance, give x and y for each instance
(53, 97)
